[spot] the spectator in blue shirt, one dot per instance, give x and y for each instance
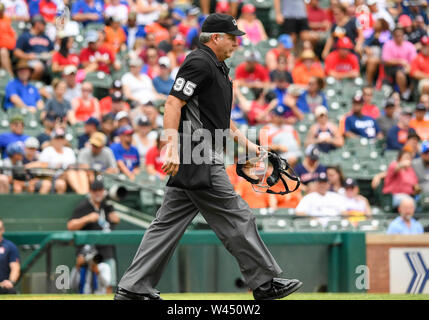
(309, 169)
(397, 135)
(35, 47)
(91, 126)
(88, 11)
(126, 155)
(286, 97)
(20, 93)
(9, 264)
(405, 223)
(133, 31)
(313, 97)
(15, 134)
(359, 125)
(163, 83)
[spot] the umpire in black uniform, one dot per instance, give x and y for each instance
(202, 96)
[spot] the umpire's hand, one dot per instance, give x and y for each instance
(172, 161)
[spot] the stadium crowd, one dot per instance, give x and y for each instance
(140, 45)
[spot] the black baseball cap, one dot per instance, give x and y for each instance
(420, 107)
(117, 96)
(350, 183)
(322, 177)
(219, 22)
(97, 185)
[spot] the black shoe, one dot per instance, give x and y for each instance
(122, 294)
(280, 288)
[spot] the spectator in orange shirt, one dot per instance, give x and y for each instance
(7, 40)
(306, 68)
(115, 35)
(255, 200)
(369, 109)
(419, 123)
(157, 28)
(341, 63)
(420, 67)
(289, 200)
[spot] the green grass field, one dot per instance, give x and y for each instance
(226, 296)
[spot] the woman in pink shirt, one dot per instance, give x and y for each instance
(401, 179)
(397, 56)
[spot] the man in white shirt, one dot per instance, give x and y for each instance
(322, 203)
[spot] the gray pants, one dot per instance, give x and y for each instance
(227, 214)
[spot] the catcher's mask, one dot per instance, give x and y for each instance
(257, 173)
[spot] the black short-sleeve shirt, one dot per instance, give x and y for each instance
(203, 82)
(84, 208)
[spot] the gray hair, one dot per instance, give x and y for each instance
(206, 36)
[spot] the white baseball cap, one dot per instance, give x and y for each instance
(320, 110)
(164, 61)
(32, 142)
(121, 115)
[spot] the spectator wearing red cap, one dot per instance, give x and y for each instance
(397, 55)
(420, 67)
(178, 54)
(250, 24)
(412, 32)
(341, 63)
(222, 7)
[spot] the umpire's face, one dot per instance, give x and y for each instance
(226, 45)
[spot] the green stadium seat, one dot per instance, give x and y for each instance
(5, 77)
(306, 224)
(101, 83)
(371, 225)
(277, 224)
(339, 225)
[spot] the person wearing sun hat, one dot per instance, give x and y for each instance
(308, 68)
(20, 93)
(342, 63)
(97, 156)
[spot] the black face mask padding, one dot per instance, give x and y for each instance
(280, 166)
